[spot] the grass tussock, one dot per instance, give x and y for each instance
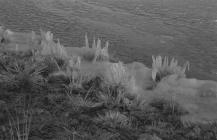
(49, 47)
(100, 53)
(117, 74)
(162, 67)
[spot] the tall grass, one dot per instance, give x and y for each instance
(101, 53)
(20, 126)
(162, 67)
(49, 47)
(74, 74)
(117, 74)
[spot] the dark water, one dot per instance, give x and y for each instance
(136, 29)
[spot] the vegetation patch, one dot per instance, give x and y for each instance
(45, 96)
(78, 108)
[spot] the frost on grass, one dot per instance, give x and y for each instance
(161, 67)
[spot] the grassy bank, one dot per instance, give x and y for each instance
(36, 104)
(44, 95)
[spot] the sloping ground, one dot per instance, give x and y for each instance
(196, 96)
(48, 91)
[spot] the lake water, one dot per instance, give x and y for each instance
(136, 29)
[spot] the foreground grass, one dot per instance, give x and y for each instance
(35, 105)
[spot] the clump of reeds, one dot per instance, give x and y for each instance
(49, 47)
(161, 67)
(101, 53)
(117, 74)
(74, 74)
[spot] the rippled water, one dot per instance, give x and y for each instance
(136, 29)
